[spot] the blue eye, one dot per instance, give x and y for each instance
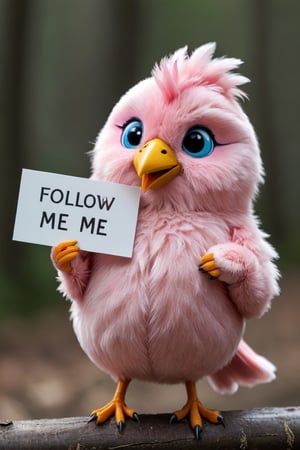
(198, 142)
(132, 133)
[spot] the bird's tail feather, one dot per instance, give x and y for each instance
(246, 368)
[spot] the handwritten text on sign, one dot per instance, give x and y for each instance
(53, 208)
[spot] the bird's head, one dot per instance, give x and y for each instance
(183, 137)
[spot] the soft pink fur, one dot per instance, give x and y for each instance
(155, 317)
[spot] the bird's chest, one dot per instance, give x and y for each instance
(164, 265)
(176, 240)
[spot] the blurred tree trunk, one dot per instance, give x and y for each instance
(262, 44)
(12, 36)
(127, 19)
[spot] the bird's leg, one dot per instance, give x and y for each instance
(196, 411)
(116, 407)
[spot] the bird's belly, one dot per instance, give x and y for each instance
(165, 332)
(157, 319)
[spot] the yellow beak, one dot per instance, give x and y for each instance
(156, 164)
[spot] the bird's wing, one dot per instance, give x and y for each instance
(246, 368)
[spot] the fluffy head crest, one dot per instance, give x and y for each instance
(178, 72)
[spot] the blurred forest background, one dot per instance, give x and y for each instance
(63, 65)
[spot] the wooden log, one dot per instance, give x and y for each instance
(266, 428)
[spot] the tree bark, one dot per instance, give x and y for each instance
(266, 428)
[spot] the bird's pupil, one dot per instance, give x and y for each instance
(134, 136)
(194, 142)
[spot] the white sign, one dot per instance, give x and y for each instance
(53, 208)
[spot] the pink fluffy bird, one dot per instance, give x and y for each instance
(175, 312)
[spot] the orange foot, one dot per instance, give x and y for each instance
(115, 407)
(196, 411)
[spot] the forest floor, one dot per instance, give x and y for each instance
(44, 373)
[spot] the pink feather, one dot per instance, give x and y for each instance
(246, 368)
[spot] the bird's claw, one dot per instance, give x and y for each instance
(197, 428)
(208, 265)
(92, 418)
(121, 426)
(136, 417)
(116, 408)
(64, 253)
(173, 419)
(197, 431)
(220, 420)
(196, 412)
